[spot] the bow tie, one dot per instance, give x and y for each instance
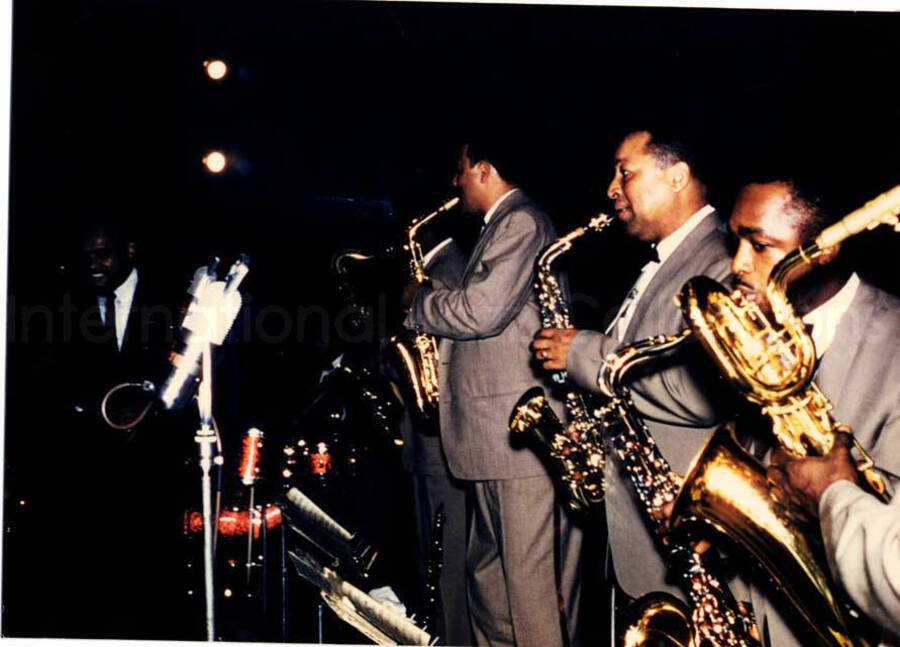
(649, 253)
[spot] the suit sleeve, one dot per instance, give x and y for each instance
(491, 295)
(446, 267)
(682, 390)
(862, 541)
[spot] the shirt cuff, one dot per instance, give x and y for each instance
(434, 251)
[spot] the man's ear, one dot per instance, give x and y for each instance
(132, 248)
(678, 176)
(484, 171)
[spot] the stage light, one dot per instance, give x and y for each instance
(215, 162)
(216, 69)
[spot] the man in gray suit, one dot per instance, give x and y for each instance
(433, 485)
(516, 592)
(855, 327)
(661, 200)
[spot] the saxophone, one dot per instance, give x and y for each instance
(419, 356)
(575, 452)
(772, 363)
(713, 616)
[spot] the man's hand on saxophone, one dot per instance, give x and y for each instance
(551, 346)
(798, 483)
(409, 291)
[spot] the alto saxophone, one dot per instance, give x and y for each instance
(772, 363)
(714, 617)
(576, 451)
(420, 358)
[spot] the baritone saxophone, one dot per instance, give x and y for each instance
(772, 361)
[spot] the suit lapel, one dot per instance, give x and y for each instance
(834, 367)
(671, 270)
(506, 207)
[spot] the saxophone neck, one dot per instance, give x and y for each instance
(619, 364)
(338, 260)
(564, 243)
(418, 222)
(414, 248)
(552, 252)
(782, 275)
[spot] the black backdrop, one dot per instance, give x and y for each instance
(344, 118)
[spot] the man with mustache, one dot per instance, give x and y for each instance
(660, 197)
(856, 330)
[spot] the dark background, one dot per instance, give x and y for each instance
(345, 118)
(342, 121)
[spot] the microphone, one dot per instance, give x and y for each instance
(213, 307)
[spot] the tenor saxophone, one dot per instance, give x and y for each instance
(575, 452)
(419, 356)
(772, 364)
(713, 617)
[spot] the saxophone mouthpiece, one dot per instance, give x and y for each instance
(452, 202)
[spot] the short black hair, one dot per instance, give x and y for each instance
(672, 142)
(808, 202)
(118, 233)
(501, 148)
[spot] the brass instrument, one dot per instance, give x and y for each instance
(772, 363)
(419, 356)
(576, 451)
(358, 314)
(713, 617)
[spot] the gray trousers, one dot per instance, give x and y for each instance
(524, 578)
(453, 624)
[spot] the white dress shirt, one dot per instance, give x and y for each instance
(664, 248)
(124, 298)
(490, 212)
(826, 317)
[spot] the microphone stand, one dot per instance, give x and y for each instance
(206, 440)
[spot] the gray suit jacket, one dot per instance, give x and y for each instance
(486, 325)
(670, 395)
(860, 374)
(422, 452)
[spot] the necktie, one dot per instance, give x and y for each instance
(620, 322)
(108, 314)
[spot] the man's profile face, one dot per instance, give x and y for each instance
(641, 191)
(105, 262)
(766, 232)
(467, 180)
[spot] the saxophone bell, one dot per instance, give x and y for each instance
(577, 461)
